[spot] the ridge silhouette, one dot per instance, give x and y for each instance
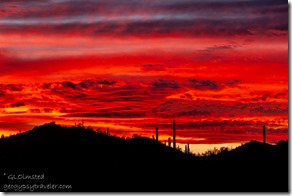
(98, 162)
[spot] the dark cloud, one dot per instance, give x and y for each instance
(34, 110)
(66, 87)
(2, 93)
(72, 95)
(106, 82)
(86, 84)
(17, 104)
(66, 110)
(174, 108)
(60, 90)
(95, 83)
(231, 83)
(183, 27)
(281, 27)
(222, 47)
(193, 112)
(48, 110)
(187, 96)
(14, 87)
(47, 85)
(68, 84)
(47, 8)
(163, 84)
(207, 108)
(265, 96)
(152, 67)
(204, 84)
(274, 109)
(222, 5)
(281, 95)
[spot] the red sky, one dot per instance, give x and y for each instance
(219, 68)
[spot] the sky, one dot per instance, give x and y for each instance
(217, 67)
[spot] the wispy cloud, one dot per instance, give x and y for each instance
(131, 18)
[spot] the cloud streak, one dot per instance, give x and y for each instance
(130, 18)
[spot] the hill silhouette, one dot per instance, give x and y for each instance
(90, 161)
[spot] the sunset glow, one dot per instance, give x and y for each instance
(219, 68)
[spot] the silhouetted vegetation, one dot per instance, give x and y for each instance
(174, 135)
(264, 133)
(214, 151)
(94, 161)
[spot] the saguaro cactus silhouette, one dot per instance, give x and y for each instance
(187, 148)
(169, 142)
(156, 133)
(174, 142)
(264, 133)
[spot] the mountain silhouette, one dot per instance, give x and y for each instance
(92, 161)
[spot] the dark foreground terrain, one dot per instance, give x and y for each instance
(83, 160)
